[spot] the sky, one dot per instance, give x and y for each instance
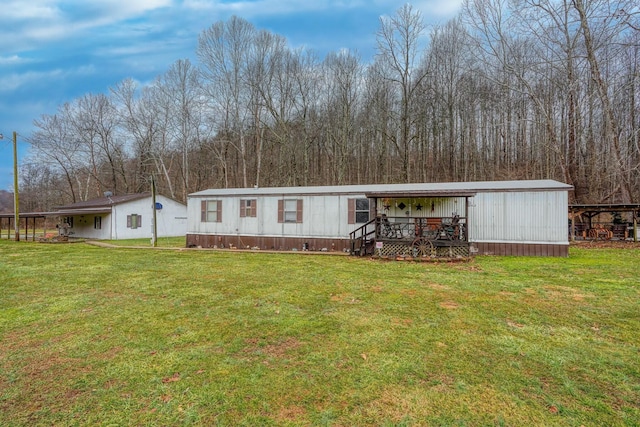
(54, 51)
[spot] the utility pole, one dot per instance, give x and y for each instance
(154, 236)
(16, 197)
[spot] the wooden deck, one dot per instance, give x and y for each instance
(416, 237)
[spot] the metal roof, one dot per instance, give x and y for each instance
(104, 201)
(62, 212)
(610, 207)
(449, 189)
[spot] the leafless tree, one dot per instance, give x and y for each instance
(399, 52)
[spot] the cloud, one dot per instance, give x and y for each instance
(13, 82)
(438, 8)
(19, 10)
(43, 21)
(13, 60)
(259, 8)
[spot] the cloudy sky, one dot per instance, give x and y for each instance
(53, 51)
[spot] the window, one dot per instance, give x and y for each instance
(69, 221)
(211, 211)
(359, 211)
(134, 221)
(97, 222)
(290, 210)
(362, 210)
(248, 208)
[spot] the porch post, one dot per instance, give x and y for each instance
(466, 214)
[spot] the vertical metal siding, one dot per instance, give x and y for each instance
(519, 217)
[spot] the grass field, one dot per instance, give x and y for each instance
(121, 336)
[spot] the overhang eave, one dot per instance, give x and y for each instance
(418, 194)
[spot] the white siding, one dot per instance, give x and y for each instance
(323, 216)
(516, 212)
(171, 221)
(83, 226)
(525, 217)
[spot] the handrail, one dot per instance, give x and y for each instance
(402, 227)
(452, 228)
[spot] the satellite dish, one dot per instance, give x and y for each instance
(108, 194)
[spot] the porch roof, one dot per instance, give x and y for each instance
(416, 194)
(62, 212)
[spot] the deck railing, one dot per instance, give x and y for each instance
(407, 229)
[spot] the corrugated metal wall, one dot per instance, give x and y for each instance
(519, 217)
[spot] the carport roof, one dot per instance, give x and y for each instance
(62, 212)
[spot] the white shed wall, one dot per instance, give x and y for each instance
(524, 217)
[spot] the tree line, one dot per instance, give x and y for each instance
(509, 89)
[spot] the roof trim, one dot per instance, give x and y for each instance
(611, 207)
(393, 190)
(104, 202)
(63, 212)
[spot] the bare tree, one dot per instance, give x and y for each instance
(343, 75)
(611, 127)
(398, 51)
(180, 91)
(55, 146)
(223, 51)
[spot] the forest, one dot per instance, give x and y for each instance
(509, 89)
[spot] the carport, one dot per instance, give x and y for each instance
(588, 230)
(25, 219)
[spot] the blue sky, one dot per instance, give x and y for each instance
(53, 51)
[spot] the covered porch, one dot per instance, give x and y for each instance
(420, 225)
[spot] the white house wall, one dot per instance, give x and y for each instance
(534, 217)
(171, 219)
(83, 226)
(323, 216)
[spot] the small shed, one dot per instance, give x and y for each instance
(421, 219)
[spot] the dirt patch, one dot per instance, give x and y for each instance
(402, 322)
(292, 413)
(282, 348)
(564, 293)
(344, 298)
(276, 351)
(449, 305)
(606, 244)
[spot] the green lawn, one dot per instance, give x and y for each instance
(121, 336)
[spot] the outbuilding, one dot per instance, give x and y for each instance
(117, 217)
(457, 219)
